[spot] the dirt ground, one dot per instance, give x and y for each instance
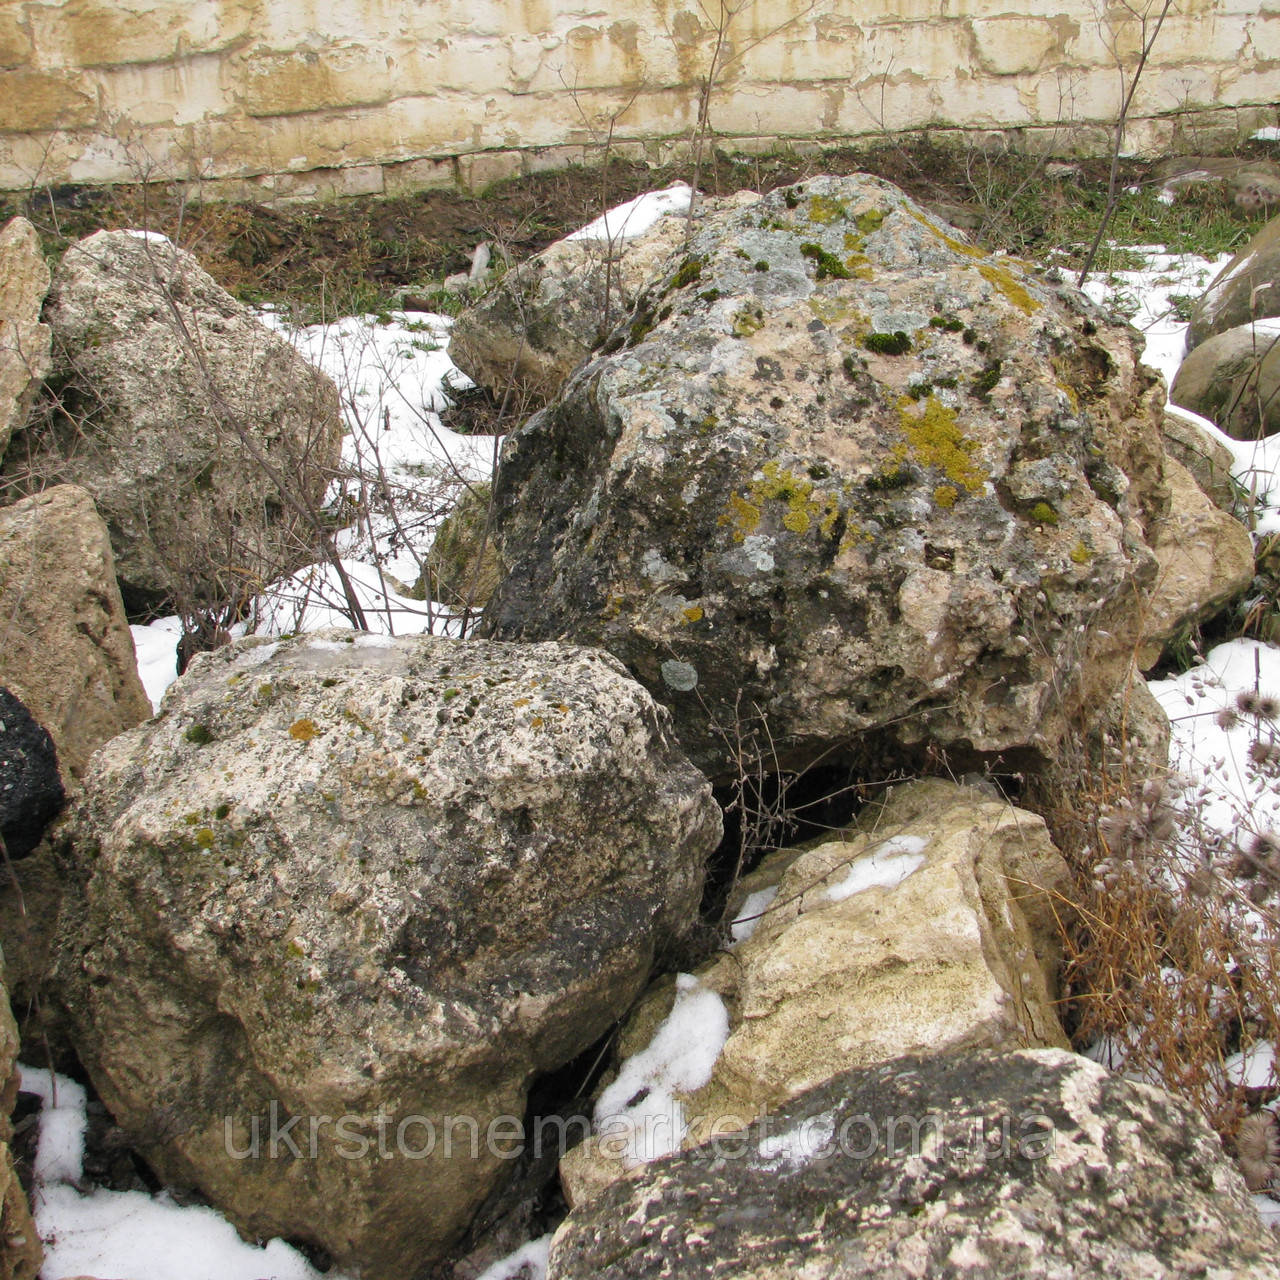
(358, 254)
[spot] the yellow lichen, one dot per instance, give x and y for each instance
(934, 440)
(825, 210)
(303, 730)
(1007, 283)
(744, 517)
(204, 838)
(1080, 554)
(945, 495)
(692, 614)
(951, 242)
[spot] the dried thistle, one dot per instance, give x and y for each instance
(1265, 755)
(1258, 1149)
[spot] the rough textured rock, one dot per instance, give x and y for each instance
(193, 426)
(1233, 379)
(1247, 288)
(961, 953)
(65, 647)
(1206, 560)
(360, 876)
(757, 504)
(1208, 459)
(24, 341)
(20, 1251)
(546, 316)
(29, 902)
(30, 786)
(462, 566)
(1251, 184)
(1036, 1163)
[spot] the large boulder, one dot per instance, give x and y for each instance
(1188, 439)
(1033, 1164)
(932, 929)
(547, 315)
(852, 477)
(1233, 379)
(20, 1251)
(202, 436)
(24, 340)
(1206, 561)
(355, 877)
(65, 647)
(1247, 288)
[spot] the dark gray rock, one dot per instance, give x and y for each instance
(30, 785)
(1035, 1164)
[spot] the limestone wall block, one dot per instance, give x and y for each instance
(1008, 46)
(102, 33)
(31, 101)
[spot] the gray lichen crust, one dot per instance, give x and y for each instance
(889, 482)
(357, 876)
(1034, 1164)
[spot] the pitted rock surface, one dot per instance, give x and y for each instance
(353, 876)
(847, 473)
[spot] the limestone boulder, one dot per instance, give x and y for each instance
(20, 1251)
(1206, 560)
(199, 432)
(1188, 439)
(1233, 379)
(851, 477)
(545, 316)
(386, 882)
(1246, 289)
(24, 340)
(462, 565)
(65, 648)
(932, 929)
(1036, 1163)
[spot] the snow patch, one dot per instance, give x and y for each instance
(745, 922)
(127, 1233)
(530, 1260)
(799, 1147)
(156, 648)
(1254, 1068)
(885, 867)
(639, 1112)
(635, 217)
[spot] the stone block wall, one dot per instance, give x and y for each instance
(298, 98)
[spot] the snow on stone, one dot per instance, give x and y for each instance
(532, 1257)
(1229, 793)
(127, 1233)
(755, 905)
(639, 1112)
(885, 867)
(1254, 1068)
(1256, 467)
(156, 647)
(148, 237)
(798, 1147)
(635, 217)
(1271, 133)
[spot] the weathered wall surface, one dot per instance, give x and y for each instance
(297, 97)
